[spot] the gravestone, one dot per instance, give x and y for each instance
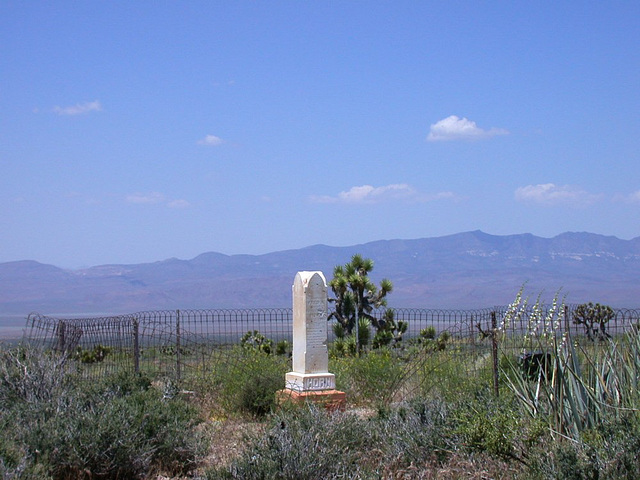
(310, 379)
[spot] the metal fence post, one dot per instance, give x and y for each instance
(178, 345)
(494, 352)
(136, 346)
(61, 335)
(472, 333)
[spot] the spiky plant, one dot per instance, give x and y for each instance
(580, 384)
(356, 296)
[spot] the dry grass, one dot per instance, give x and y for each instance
(228, 439)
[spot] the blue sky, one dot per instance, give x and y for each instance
(139, 131)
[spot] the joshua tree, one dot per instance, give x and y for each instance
(356, 297)
(594, 318)
(356, 294)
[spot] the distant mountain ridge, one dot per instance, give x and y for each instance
(465, 270)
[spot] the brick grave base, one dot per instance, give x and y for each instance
(330, 399)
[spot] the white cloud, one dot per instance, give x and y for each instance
(441, 196)
(456, 128)
(156, 198)
(550, 194)
(369, 194)
(634, 197)
(180, 203)
(211, 141)
(79, 109)
(145, 198)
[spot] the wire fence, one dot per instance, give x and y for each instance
(170, 343)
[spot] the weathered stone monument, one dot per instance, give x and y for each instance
(310, 379)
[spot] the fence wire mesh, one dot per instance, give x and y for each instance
(173, 343)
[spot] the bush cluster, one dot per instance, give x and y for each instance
(56, 426)
(479, 436)
(94, 355)
(246, 381)
(370, 379)
(307, 443)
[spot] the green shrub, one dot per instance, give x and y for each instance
(486, 424)
(371, 379)
(32, 377)
(308, 443)
(66, 427)
(389, 332)
(13, 457)
(428, 339)
(254, 340)
(95, 355)
(450, 376)
(283, 347)
(428, 333)
(249, 379)
(346, 344)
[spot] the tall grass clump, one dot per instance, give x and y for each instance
(245, 382)
(572, 382)
(369, 379)
(57, 425)
(453, 375)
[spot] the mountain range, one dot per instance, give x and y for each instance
(465, 270)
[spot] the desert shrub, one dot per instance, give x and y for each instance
(254, 340)
(94, 355)
(309, 443)
(566, 461)
(13, 457)
(284, 347)
(389, 331)
(173, 350)
(607, 451)
(452, 376)
(495, 426)
(32, 377)
(428, 333)
(346, 344)
(248, 380)
(124, 436)
(371, 378)
(117, 428)
(617, 442)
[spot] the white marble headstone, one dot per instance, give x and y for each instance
(310, 354)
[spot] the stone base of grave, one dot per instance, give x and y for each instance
(307, 382)
(331, 400)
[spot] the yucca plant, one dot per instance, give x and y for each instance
(578, 384)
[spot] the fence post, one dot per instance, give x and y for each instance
(61, 335)
(472, 333)
(494, 353)
(178, 345)
(136, 346)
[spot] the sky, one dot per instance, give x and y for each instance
(134, 132)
